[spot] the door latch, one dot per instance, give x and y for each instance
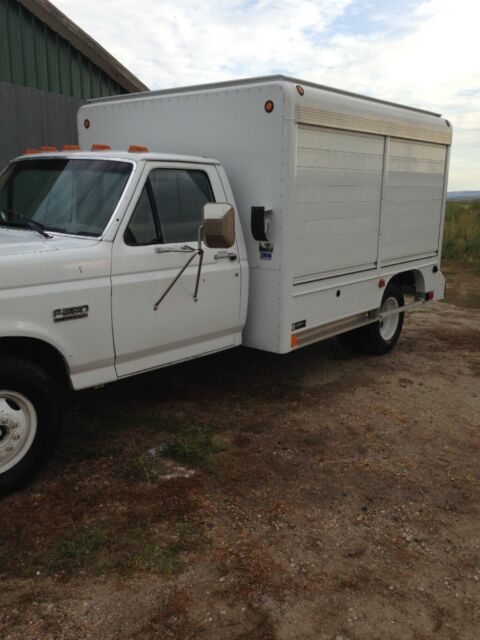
(225, 255)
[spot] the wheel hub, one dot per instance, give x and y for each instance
(7, 422)
(18, 426)
(388, 325)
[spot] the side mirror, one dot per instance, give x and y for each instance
(218, 225)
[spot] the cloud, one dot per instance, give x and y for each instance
(418, 53)
(172, 43)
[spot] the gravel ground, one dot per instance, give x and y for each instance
(341, 500)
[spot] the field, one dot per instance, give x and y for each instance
(462, 233)
(244, 496)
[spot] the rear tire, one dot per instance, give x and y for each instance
(30, 420)
(380, 337)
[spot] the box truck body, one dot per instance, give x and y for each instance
(356, 187)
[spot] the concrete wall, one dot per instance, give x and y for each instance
(32, 118)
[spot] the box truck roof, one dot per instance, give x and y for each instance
(261, 80)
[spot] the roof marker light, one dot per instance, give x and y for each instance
(137, 148)
(101, 147)
(71, 147)
(30, 152)
(47, 148)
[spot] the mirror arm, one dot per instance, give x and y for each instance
(200, 262)
(196, 252)
(174, 281)
(197, 283)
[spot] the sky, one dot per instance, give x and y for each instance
(420, 53)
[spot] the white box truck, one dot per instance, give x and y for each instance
(269, 212)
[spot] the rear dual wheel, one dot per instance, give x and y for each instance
(380, 337)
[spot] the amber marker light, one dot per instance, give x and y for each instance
(300, 90)
(294, 342)
(137, 148)
(269, 106)
(30, 152)
(100, 147)
(46, 148)
(71, 147)
(86, 123)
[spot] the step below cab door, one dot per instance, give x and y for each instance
(151, 248)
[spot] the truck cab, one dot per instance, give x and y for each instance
(90, 246)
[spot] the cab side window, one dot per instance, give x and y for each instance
(143, 228)
(170, 207)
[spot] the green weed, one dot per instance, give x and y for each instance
(153, 556)
(136, 549)
(86, 542)
(461, 241)
(193, 445)
(144, 468)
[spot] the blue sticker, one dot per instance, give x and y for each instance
(266, 250)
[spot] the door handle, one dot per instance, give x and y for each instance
(225, 255)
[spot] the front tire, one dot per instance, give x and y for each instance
(30, 419)
(380, 337)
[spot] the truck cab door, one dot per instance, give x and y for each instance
(149, 251)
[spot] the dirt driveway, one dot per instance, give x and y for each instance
(324, 497)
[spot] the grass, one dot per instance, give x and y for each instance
(83, 544)
(133, 549)
(166, 559)
(144, 468)
(194, 445)
(461, 242)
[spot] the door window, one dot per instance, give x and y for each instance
(170, 207)
(142, 228)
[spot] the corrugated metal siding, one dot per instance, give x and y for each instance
(340, 203)
(33, 55)
(412, 208)
(338, 190)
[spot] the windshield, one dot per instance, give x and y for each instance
(69, 196)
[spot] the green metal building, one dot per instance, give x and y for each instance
(48, 68)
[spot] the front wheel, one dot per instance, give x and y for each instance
(380, 337)
(30, 418)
